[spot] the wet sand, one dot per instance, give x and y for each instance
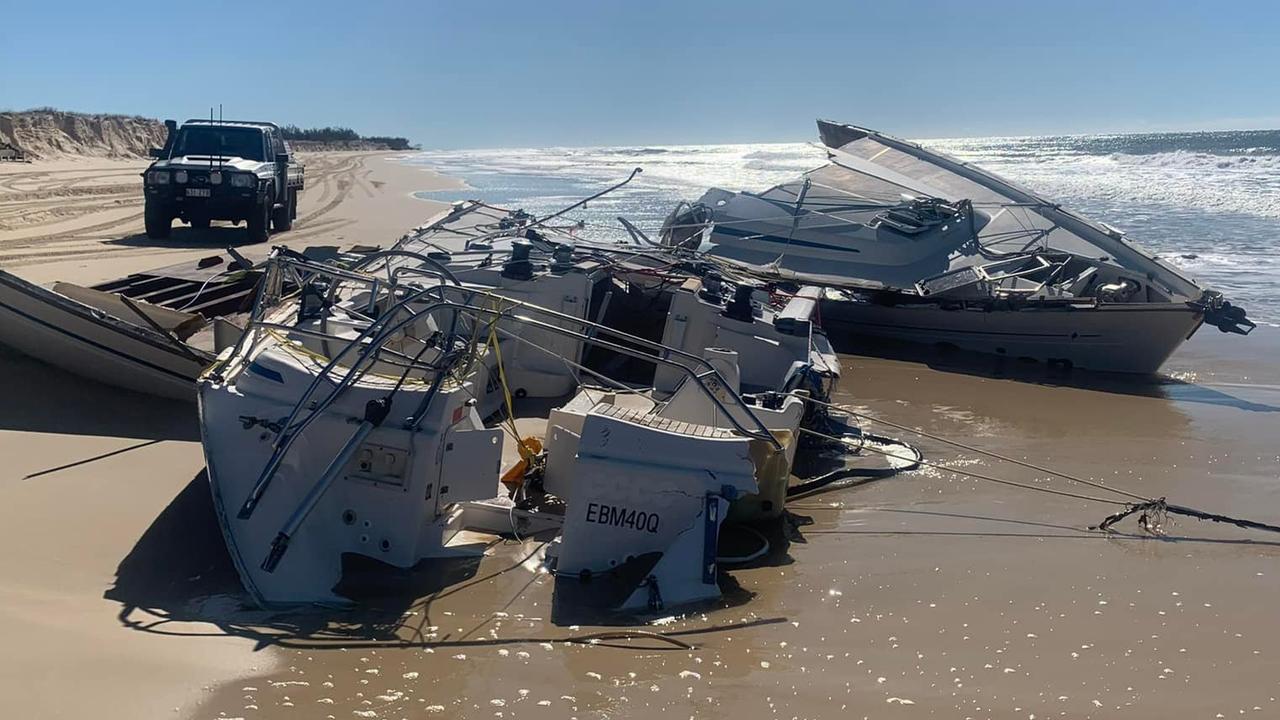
(926, 594)
(922, 595)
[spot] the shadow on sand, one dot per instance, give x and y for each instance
(182, 236)
(948, 358)
(179, 580)
(42, 398)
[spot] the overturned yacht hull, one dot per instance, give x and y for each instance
(929, 249)
(1136, 338)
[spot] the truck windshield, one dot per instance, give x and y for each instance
(224, 141)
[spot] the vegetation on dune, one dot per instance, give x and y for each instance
(47, 109)
(392, 143)
(324, 134)
(44, 132)
(338, 135)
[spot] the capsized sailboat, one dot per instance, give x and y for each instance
(926, 248)
(382, 408)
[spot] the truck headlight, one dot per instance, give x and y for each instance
(180, 177)
(158, 177)
(215, 178)
(243, 180)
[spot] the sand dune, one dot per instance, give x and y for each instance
(52, 134)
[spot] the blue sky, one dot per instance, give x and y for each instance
(547, 72)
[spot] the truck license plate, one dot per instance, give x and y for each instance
(197, 192)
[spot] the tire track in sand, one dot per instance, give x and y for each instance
(337, 179)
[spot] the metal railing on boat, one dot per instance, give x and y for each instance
(503, 308)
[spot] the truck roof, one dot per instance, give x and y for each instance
(233, 123)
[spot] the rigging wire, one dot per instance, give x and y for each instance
(1150, 509)
(1013, 483)
(205, 285)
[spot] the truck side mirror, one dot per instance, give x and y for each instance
(156, 153)
(282, 158)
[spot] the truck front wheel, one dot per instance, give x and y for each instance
(157, 220)
(282, 218)
(259, 221)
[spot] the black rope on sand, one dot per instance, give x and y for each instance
(837, 479)
(606, 638)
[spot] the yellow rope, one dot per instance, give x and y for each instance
(526, 453)
(502, 375)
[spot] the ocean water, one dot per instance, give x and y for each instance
(1208, 202)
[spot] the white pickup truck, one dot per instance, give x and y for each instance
(240, 171)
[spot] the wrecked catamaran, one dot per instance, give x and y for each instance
(926, 248)
(371, 412)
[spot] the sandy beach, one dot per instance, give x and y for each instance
(80, 219)
(93, 473)
(924, 595)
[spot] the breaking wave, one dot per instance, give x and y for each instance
(1185, 159)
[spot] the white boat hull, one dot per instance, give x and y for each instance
(396, 509)
(89, 342)
(1128, 338)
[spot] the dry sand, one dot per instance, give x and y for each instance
(80, 220)
(924, 595)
